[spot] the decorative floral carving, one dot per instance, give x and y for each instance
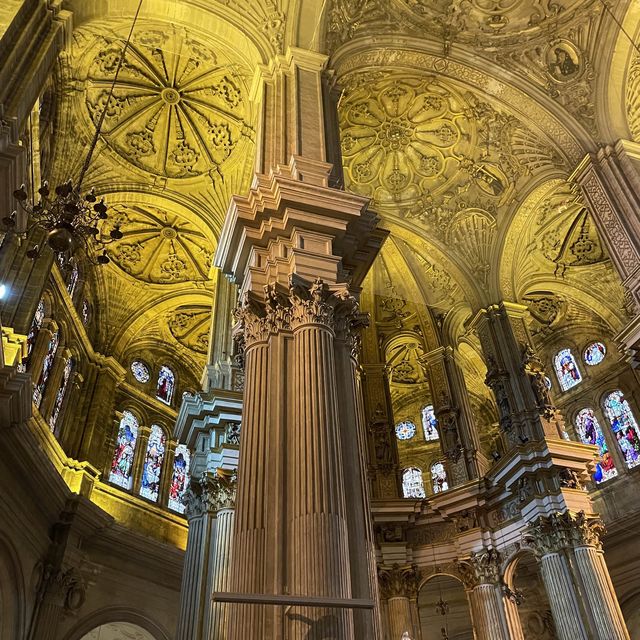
(399, 582)
(190, 327)
(209, 494)
(564, 530)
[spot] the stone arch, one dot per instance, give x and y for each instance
(111, 615)
(12, 592)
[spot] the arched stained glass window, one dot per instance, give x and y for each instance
(412, 484)
(595, 353)
(405, 430)
(152, 467)
(438, 477)
(36, 325)
(589, 430)
(140, 371)
(72, 281)
(166, 385)
(567, 369)
(84, 312)
(122, 462)
(624, 426)
(429, 423)
(179, 478)
(40, 387)
(62, 392)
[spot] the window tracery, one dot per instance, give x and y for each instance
(594, 354)
(179, 478)
(412, 483)
(72, 282)
(152, 466)
(567, 369)
(62, 392)
(166, 385)
(624, 427)
(438, 477)
(590, 432)
(40, 387)
(140, 371)
(122, 461)
(429, 423)
(36, 325)
(405, 430)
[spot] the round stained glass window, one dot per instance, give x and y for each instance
(405, 430)
(595, 353)
(140, 371)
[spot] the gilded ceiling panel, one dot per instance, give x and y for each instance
(178, 108)
(190, 326)
(157, 246)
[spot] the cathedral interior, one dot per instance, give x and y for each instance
(320, 319)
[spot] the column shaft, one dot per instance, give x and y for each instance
(562, 597)
(400, 618)
(488, 615)
(220, 572)
(318, 562)
(600, 594)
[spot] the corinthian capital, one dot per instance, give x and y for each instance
(209, 494)
(482, 567)
(564, 530)
(399, 582)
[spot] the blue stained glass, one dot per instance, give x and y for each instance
(140, 371)
(412, 484)
(567, 369)
(152, 467)
(624, 426)
(595, 353)
(439, 477)
(429, 423)
(180, 478)
(40, 387)
(166, 385)
(589, 430)
(122, 462)
(405, 430)
(73, 280)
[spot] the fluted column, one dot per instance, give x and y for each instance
(167, 472)
(583, 601)
(481, 573)
(138, 460)
(209, 504)
(399, 588)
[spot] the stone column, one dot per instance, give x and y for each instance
(516, 376)
(209, 504)
(458, 433)
(481, 574)
(53, 383)
(40, 349)
(399, 588)
(142, 442)
(610, 183)
(167, 472)
(583, 601)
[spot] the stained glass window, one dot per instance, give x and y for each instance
(438, 477)
(180, 478)
(152, 467)
(595, 353)
(589, 430)
(624, 426)
(72, 282)
(429, 423)
(166, 385)
(122, 462)
(567, 369)
(47, 365)
(84, 312)
(62, 391)
(140, 371)
(412, 484)
(405, 430)
(36, 325)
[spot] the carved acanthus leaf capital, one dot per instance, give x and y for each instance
(209, 494)
(482, 567)
(399, 582)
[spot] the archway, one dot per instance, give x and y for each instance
(118, 631)
(443, 605)
(524, 579)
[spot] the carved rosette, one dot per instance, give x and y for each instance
(482, 567)
(566, 530)
(399, 582)
(209, 494)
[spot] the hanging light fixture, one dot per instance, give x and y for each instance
(68, 214)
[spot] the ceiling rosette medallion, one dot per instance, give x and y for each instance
(159, 247)
(178, 108)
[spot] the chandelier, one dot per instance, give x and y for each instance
(68, 215)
